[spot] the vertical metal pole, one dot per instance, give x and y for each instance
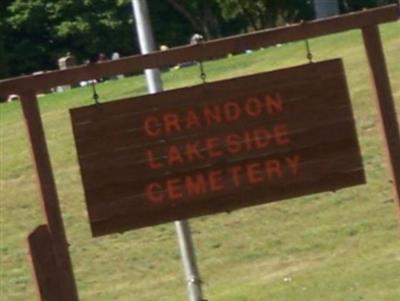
(189, 261)
(146, 42)
(154, 84)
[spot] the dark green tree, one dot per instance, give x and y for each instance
(4, 31)
(267, 13)
(35, 33)
(42, 31)
(170, 27)
(203, 16)
(353, 5)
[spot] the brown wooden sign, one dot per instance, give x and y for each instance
(217, 147)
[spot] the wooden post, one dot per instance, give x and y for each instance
(48, 195)
(44, 264)
(385, 104)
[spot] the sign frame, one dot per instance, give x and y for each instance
(27, 86)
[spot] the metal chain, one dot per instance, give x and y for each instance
(95, 95)
(203, 75)
(309, 53)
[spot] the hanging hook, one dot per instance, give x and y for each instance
(309, 53)
(95, 95)
(197, 39)
(203, 75)
(308, 49)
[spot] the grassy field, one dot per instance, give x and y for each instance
(342, 246)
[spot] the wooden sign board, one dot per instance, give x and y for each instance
(217, 147)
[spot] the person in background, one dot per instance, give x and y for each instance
(196, 38)
(102, 58)
(116, 56)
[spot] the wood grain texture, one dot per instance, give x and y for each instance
(274, 135)
(44, 265)
(385, 105)
(202, 51)
(48, 197)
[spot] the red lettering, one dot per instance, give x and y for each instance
(212, 115)
(215, 180)
(293, 163)
(151, 126)
(231, 111)
(233, 144)
(254, 173)
(192, 120)
(273, 167)
(154, 193)
(261, 138)
(173, 185)
(281, 134)
(274, 103)
(212, 147)
(253, 106)
(174, 155)
(171, 123)
(192, 151)
(151, 160)
(195, 185)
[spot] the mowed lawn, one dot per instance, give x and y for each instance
(342, 246)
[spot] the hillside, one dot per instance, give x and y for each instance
(330, 246)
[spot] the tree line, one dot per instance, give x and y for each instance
(35, 33)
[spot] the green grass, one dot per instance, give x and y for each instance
(342, 246)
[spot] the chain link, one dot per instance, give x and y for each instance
(309, 53)
(203, 75)
(95, 95)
